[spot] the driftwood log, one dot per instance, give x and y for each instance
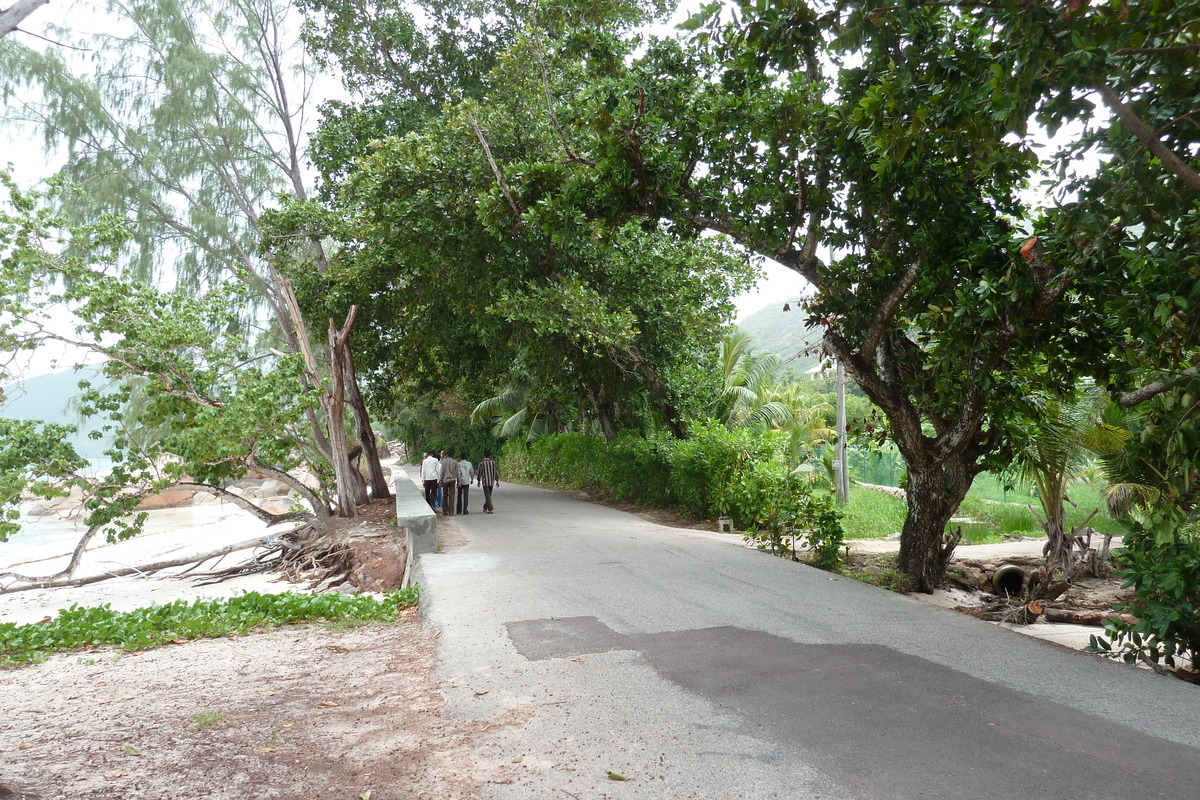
(1084, 616)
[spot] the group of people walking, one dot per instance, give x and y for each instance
(454, 477)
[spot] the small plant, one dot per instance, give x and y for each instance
(877, 569)
(78, 627)
(207, 719)
(1166, 580)
(793, 509)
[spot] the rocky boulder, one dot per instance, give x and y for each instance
(169, 498)
(378, 562)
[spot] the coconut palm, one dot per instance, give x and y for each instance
(1062, 438)
(747, 380)
(514, 412)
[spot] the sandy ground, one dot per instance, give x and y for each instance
(307, 711)
(300, 712)
(169, 533)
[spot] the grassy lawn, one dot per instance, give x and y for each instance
(994, 514)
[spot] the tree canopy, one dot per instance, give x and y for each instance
(886, 154)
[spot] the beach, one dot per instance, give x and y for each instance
(44, 546)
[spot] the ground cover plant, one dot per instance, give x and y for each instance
(79, 628)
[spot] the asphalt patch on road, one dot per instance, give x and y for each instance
(891, 726)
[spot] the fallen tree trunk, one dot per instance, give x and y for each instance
(59, 581)
(1083, 616)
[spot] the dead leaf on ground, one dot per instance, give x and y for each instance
(112, 775)
(326, 704)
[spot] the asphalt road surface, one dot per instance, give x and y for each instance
(588, 642)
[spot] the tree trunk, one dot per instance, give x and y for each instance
(934, 494)
(658, 387)
(603, 409)
(362, 421)
(334, 404)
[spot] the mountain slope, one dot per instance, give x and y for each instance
(48, 398)
(785, 334)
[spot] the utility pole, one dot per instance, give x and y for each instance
(842, 473)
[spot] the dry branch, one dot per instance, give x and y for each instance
(55, 582)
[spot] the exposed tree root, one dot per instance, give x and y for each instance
(319, 552)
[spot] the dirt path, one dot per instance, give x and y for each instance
(295, 713)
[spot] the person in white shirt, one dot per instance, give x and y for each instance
(429, 478)
(466, 474)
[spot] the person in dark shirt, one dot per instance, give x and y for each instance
(488, 476)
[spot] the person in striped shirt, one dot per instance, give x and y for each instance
(488, 477)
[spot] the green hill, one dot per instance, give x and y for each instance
(48, 398)
(785, 334)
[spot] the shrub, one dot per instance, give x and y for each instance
(711, 472)
(794, 509)
(1165, 577)
(100, 626)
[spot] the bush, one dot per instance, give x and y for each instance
(793, 509)
(1165, 577)
(100, 626)
(712, 472)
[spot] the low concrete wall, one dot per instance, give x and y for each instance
(414, 514)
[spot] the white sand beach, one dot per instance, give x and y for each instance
(44, 546)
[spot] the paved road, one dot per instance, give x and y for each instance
(587, 640)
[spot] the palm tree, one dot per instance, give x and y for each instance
(513, 412)
(747, 378)
(1064, 436)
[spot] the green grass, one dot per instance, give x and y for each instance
(78, 628)
(207, 719)
(995, 514)
(872, 515)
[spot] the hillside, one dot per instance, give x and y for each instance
(785, 334)
(48, 398)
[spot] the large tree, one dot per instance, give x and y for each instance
(881, 152)
(217, 408)
(189, 133)
(612, 317)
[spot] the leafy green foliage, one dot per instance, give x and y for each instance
(791, 509)
(715, 471)
(182, 392)
(1165, 578)
(84, 628)
(35, 458)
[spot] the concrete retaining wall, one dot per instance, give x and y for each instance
(414, 514)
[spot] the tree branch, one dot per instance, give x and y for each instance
(1142, 131)
(58, 581)
(15, 14)
(492, 161)
(887, 310)
(1150, 390)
